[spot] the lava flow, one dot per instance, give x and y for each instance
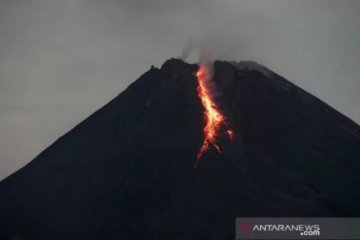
(213, 117)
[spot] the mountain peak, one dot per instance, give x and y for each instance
(127, 171)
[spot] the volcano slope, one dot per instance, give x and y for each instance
(127, 172)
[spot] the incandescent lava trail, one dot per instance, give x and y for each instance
(214, 119)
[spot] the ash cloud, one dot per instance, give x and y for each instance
(203, 52)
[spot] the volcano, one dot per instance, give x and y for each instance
(128, 171)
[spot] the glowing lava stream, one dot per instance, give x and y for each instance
(213, 117)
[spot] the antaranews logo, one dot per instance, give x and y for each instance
(297, 228)
(302, 229)
(246, 228)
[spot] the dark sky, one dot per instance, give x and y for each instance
(60, 60)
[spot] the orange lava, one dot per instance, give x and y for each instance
(230, 134)
(213, 117)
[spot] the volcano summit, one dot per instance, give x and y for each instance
(127, 172)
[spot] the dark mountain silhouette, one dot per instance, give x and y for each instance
(127, 172)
